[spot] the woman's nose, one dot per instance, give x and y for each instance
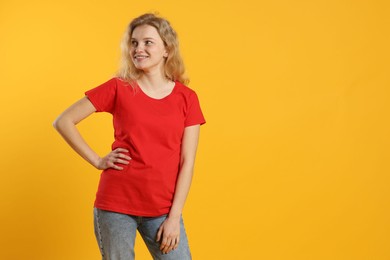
(138, 48)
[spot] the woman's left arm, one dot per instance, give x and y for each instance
(169, 231)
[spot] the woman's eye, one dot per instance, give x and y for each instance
(148, 42)
(134, 43)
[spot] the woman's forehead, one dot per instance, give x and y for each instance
(145, 31)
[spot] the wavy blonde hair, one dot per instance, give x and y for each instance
(174, 65)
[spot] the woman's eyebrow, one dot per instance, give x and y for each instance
(146, 38)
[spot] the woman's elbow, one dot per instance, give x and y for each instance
(59, 123)
(56, 123)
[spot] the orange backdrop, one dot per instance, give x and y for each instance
(293, 162)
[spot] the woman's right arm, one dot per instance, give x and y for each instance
(66, 123)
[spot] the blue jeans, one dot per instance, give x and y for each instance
(115, 234)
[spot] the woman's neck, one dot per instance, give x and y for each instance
(153, 81)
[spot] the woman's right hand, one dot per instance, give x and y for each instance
(116, 156)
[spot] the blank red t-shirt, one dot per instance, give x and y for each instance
(152, 130)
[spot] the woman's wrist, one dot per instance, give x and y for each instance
(174, 215)
(96, 162)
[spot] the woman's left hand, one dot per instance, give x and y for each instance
(169, 234)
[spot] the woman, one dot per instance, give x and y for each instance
(147, 175)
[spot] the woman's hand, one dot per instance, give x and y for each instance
(111, 159)
(169, 234)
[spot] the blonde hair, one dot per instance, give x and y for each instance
(174, 65)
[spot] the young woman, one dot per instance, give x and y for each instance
(147, 175)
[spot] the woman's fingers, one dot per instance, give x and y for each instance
(121, 150)
(123, 156)
(118, 154)
(169, 245)
(165, 245)
(176, 243)
(114, 166)
(159, 234)
(115, 157)
(169, 235)
(121, 161)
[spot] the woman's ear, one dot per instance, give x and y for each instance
(166, 52)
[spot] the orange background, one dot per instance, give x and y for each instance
(293, 162)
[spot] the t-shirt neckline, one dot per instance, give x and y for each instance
(158, 99)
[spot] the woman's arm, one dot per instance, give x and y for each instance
(66, 123)
(170, 229)
(188, 153)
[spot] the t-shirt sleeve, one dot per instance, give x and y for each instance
(194, 113)
(103, 96)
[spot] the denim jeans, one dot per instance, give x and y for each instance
(115, 234)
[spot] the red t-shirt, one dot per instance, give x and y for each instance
(152, 130)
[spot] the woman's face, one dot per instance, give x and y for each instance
(147, 50)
